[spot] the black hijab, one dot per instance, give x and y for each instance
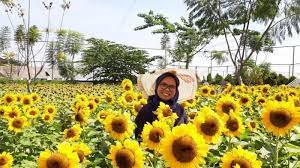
(155, 100)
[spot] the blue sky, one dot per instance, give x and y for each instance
(115, 20)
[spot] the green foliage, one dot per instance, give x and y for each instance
(231, 79)
(253, 74)
(209, 78)
(110, 62)
(271, 79)
(34, 35)
(218, 79)
(4, 38)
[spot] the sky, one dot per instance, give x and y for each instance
(115, 20)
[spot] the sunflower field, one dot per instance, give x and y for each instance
(83, 125)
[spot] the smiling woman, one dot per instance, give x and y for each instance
(166, 91)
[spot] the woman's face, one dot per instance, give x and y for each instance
(167, 88)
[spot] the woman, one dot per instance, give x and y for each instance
(166, 90)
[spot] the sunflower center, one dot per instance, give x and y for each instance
(156, 134)
(278, 98)
(118, 125)
(34, 98)
(80, 156)
(108, 99)
(252, 124)
(2, 112)
(297, 103)
(125, 158)
(137, 107)
(212, 92)
(232, 124)
(265, 90)
(50, 110)
(103, 115)
(205, 91)
(57, 160)
(280, 119)
(17, 124)
(127, 87)
(71, 133)
(79, 117)
(261, 101)
(167, 112)
(184, 149)
(91, 106)
(128, 98)
(244, 100)
(9, 99)
(47, 117)
(32, 113)
(13, 114)
(97, 100)
(192, 115)
(241, 163)
(26, 101)
(3, 161)
(226, 107)
(209, 127)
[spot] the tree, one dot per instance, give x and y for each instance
(240, 19)
(4, 38)
(110, 62)
(189, 40)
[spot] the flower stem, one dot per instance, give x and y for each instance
(276, 152)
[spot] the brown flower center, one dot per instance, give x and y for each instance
(244, 100)
(80, 156)
(91, 106)
(209, 127)
(17, 123)
(108, 99)
(125, 158)
(261, 101)
(47, 117)
(137, 107)
(297, 103)
(127, 87)
(79, 117)
(97, 100)
(252, 124)
(13, 114)
(32, 112)
(26, 101)
(192, 115)
(50, 110)
(156, 134)
(119, 125)
(265, 90)
(241, 163)
(184, 149)
(226, 107)
(232, 124)
(34, 98)
(205, 91)
(280, 118)
(71, 133)
(9, 99)
(278, 98)
(128, 98)
(3, 161)
(212, 92)
(2, 112)
(167, 112)
(57, 160)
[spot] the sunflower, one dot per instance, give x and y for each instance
(278, 96)
(245, 100)
(6, 160)
(260, 100)
(12, 112)
(265, 89)
(127, 85)
(65, 157)
(165, 113)
(184, 147)
(3, 109)
(240, 158)
(82, 150)
(81, 97)
(136, 107)
(79, 105)
(204, 91)
(280, 117)
(35, 97)
(73, 133)
(92, 105)
(153, 134)
(101, 116)
(233, 124)
(50, 108)
(110, 99)
(27, 100)
(209, 125)
(128, 155)
(252, 125)
(47, 117)
(32, 112)
(82, 116)
(9, 98)
(119, 126)
(127, 98)
(17, 124)
(227, 104)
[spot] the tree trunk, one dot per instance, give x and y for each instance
(238, 74)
